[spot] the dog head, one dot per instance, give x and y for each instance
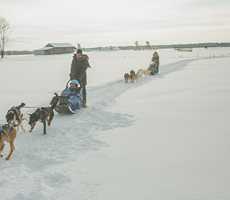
(14, 114)
(10, 116)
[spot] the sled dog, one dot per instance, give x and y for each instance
(43, 114)
(7, 135)
(14, 116)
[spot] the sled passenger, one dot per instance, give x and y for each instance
(73, 94)
(79, 65)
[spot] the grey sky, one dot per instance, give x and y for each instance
(105, 22)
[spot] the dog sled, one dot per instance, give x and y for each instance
(70, 100)
(153, 68)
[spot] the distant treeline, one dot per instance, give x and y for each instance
(18, 52)
(170, 46)
(140, 47)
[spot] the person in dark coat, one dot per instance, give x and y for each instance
(156, 61)
(79, 65)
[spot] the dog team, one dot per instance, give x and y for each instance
(14, 116)
(153, 69)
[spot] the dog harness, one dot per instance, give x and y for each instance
(1, 130)
(5, 128)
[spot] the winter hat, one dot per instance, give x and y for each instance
(76, 82)
(79, 51)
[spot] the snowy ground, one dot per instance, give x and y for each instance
(163, 137)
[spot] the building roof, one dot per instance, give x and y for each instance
(43, 49)
(59, 45)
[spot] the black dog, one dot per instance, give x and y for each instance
(126, 77)
(43, 114)
(14, 117)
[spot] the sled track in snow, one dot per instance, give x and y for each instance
(76, 132)
(70, 135)
(39, 160)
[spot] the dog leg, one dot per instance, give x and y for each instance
(44, 127)
(11, 138)
(51, 116)
(1, 148)
(32, 127)
(12, 147)
(22, 128)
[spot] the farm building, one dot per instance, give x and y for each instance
(55, 48)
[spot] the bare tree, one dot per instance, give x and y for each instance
(79, 46)
(148, 44)
(4, 27)
(137, 44)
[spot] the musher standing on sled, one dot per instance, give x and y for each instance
(156, 60)
(154, 66)
(79, 65)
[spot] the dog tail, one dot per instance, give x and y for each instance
(21, 106)
(54, 101)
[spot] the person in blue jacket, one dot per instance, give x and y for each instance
(72, 91)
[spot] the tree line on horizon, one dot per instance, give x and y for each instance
(5, 27)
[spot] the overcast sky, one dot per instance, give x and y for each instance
(105, 22)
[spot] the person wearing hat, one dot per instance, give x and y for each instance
(156, 61)
(79, 66)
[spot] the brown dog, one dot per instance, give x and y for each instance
(147, 72)
(7, 134)
(132, 76)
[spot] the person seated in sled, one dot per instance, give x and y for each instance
(152, 68)
(72, 91)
